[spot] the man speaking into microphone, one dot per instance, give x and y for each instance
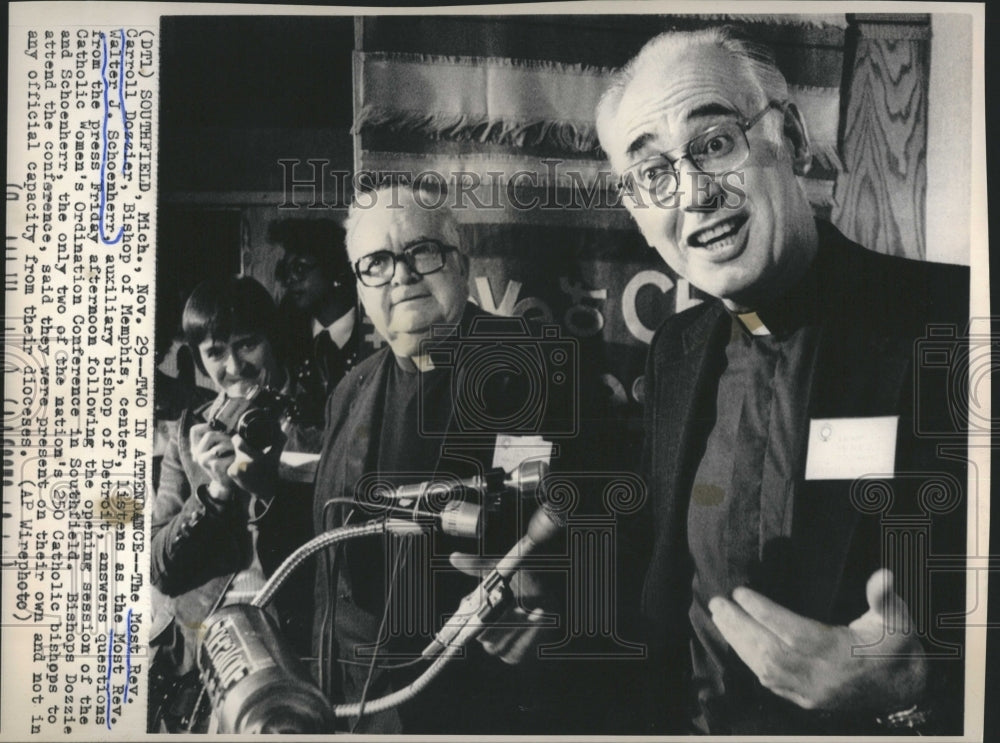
(414, 412)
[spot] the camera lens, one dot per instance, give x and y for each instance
(259, 429)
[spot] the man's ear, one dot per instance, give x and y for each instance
(465, 263)
(795, 132)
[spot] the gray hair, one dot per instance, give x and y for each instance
(756, 59)
(400, 197)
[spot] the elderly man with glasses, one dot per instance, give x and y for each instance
(792, 435)
(392, 422)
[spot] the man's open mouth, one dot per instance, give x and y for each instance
(718, 234)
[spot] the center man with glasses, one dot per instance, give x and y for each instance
(379, 601)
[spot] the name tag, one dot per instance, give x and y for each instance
(510, 451)
(851, 448)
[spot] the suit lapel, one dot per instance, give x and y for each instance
(860, 372)
(681, 373)
(685, 371)
(365, 407)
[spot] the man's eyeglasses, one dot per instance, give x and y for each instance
(292, 270)
(422, 257)
(718, 149)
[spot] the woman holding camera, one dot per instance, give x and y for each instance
(222, 520)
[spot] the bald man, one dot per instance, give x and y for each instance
(785, 422)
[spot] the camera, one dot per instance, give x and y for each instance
(506, 377)
(256, 417)
(955, 367)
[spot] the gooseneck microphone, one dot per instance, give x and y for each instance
(483, 605)
(444, 499)
(257, 685)
(492, 596)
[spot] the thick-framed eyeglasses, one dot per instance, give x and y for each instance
(292, 270)
(422, 257)
(716, 150)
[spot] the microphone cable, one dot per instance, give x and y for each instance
(400, 558)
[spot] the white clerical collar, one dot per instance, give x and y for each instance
(340, 330)
(752, 322)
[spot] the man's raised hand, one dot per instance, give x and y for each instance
(876, 662)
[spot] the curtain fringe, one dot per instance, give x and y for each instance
(564, 136)
(576, 68)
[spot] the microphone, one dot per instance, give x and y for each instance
(490, 598)
(523, 480)
(459, 517)
(257, 685)
(446, 489)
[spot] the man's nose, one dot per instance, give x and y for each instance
(702, 190)
(403, 272)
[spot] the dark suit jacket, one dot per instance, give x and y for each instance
(315, 377)
(874, 328)
(476, 693)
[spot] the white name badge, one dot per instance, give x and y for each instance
(510, 451)
(851, 448)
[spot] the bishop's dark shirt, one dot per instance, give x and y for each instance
(369, 566)
(475, 692)
(740, 513)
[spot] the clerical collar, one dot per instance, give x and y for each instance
(802, 305)
(340, 330)
(798, 308)
(753, 324)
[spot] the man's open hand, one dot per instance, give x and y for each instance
(876, 662)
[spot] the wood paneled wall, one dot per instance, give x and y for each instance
(880, 196)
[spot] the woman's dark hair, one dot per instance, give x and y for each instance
(220, 307)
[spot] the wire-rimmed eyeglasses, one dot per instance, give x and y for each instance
(718, 149)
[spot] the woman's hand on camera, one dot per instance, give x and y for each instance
(253, 470)
(215, 453)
